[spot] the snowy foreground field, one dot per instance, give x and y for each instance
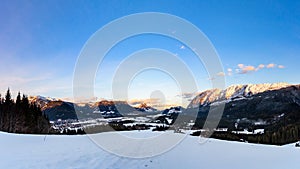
(62, 152)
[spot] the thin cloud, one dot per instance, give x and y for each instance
(151, 101)
(188, 95)
(241, 66)
(221, 74)
(211, 78)
(22, 81)
(271, 65)
(261, 66)
(246, 69)
(229, 71)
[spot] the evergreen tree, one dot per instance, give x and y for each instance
(18, 103)
(8, 99)
(1, 114)
(20, 116)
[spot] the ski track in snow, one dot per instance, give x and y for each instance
(77, 152)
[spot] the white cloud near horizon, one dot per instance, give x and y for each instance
(229, 71)
(244, 69)
(261, 66)
(221, 74)
(153, 102)
(271, 65)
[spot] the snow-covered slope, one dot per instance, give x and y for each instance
(234, 92)
(173, 110)
(63, 152)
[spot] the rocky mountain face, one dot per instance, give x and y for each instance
(41, 101)
(271, 108)
(143, 107)
(58, 109)
(173, 110)
(269, 104)
(234, 92)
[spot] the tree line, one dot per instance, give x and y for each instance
(21, 116)
(284, 135)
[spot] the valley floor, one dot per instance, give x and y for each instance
(62, 152)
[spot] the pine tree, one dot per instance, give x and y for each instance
(8, 97)
(1, 113)
(20, 116)
(18, 103)
(7, 111)
(25, 109)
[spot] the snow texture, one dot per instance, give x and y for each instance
(76, 152)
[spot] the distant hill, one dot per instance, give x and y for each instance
(143, 107)
(57, 109)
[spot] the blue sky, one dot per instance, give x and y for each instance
(40, 43)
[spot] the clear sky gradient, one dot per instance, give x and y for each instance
(257, 41)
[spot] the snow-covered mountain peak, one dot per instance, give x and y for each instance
(234, 92)
(145, 107)
(41, 98)
(42, 101)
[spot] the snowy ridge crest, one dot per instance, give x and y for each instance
(234, 92)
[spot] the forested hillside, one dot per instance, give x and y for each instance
(20, 116)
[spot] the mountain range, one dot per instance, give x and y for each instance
(252, 102)
(251, 106)
(233, 93)
(58, 109)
